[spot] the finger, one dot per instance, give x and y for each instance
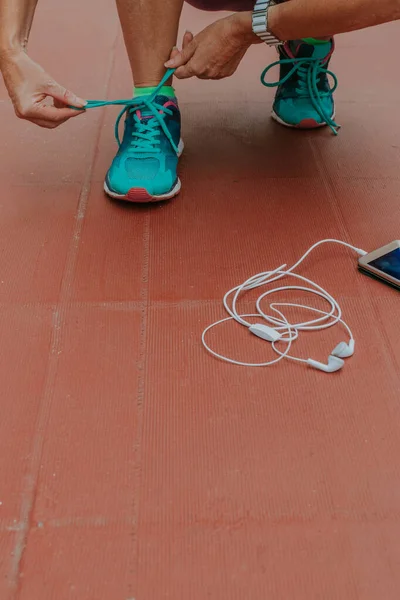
(46, 124)
(187, 38)
(185, 72)
(183, 57)
(49, 114)
(65, 96)
(53, 114)
(58, 103)
(174, 52)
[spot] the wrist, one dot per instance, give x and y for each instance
(9, 53)
(244, 23)
(274, 21)
(244, 28)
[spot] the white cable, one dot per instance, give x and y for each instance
(277, 328)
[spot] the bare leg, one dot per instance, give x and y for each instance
(150, 29)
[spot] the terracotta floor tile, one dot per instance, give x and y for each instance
(75, 61)
(88, 460)
(364, 200)
(387, 310)
(81, 562)
(36, 225)
(355, 73)
(230, 140)
(26, 338)
(360, 59)
(367, 42)
(31, 155)
(7, 539)
(257, 228)
(352, 154)
(260, 560)
(113, 253)
(197, 468)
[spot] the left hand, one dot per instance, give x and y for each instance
(214, 53)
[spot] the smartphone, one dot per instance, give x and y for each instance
(383, 264)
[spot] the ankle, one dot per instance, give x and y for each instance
(147, 84)
(316, 41)
(152, 82)
(165, 90)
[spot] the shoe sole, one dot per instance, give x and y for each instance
(141, 195)
(305, 124)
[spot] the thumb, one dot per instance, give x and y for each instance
(182, 57)
(66, 97)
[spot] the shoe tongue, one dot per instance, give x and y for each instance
(161, 100)
(302, 50)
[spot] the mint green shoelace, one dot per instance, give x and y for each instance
(309, 71)
(145, 138)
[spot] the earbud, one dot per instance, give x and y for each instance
(334, 364)
(344, 350)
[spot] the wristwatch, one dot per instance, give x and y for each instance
(260, 22)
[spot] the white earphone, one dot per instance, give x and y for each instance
(276, 328)
(344, 350)
(334, 364)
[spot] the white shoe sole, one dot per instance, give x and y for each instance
(305, 124)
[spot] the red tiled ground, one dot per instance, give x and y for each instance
(132, 464)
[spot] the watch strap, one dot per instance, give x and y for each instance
(260, 22)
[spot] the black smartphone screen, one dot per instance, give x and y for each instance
(388, 264)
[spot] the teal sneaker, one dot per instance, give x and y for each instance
(304, 98)
(145, 167)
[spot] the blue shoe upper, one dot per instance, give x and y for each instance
(147, 157)
(304, 93)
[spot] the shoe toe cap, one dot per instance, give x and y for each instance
(299, 111)
(120, 182)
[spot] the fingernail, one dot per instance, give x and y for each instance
(169, 63)
(80, 102)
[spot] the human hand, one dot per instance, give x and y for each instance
(214, 53)
(30, 87)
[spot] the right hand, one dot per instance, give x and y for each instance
(29, 87)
